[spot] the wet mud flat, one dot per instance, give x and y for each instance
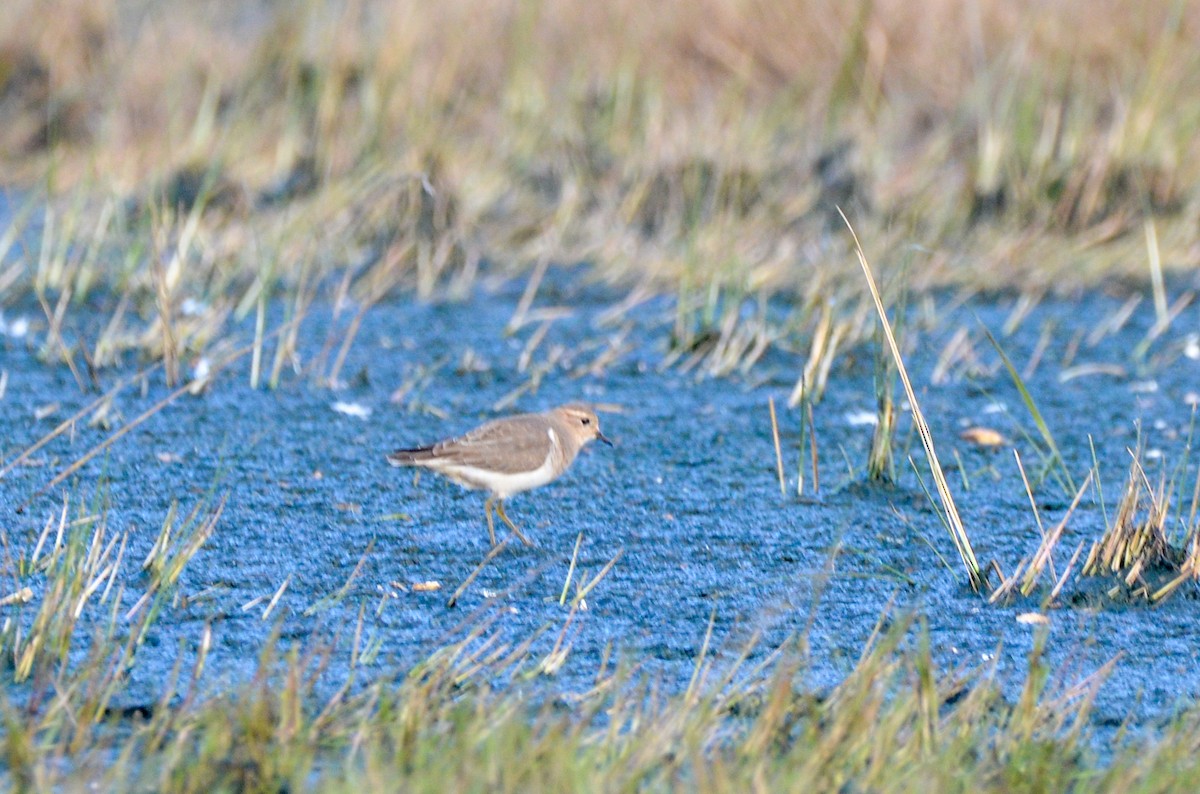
(317, 527)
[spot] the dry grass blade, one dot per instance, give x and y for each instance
(957, 531)
(1043, 558)
(608, 566)
(103, 445)
(1037, 514)
(1188, 570)
(521, 313)
(557, 656)
(133, 424)
(1154, 256)
(333, 378)
(812, 448)
(491, 555)
(562, 598)
(694, 685)
(778, 448)
(277, 595)
(70, 421)
(325, 602)
(822, 350)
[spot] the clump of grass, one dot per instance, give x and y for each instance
(893, 721)
(67, 643)
(75, 560)
(827, 335)
(880, 459)
(1137, 540)
(177, 543)
(1148, 544)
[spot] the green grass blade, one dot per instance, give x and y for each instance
(1035, 413)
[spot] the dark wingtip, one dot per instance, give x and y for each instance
(407, 457)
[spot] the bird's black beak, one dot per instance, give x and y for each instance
(601, 437)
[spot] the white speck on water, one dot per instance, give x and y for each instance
(862, 419)
(190, 307)
(357, 410)
(1191, 347)
(16, 329)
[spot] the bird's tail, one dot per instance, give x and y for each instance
(410, 457)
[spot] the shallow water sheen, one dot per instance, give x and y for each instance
(688, 497)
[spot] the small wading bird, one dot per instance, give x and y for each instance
(510, 455)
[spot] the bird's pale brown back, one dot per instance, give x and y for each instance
(510, 445)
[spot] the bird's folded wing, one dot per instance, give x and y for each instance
(507, 446)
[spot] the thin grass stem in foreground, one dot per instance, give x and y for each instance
(958, 532)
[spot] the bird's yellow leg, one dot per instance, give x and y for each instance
(511, 525)
(487, 511)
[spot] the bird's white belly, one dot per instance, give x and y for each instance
(503, 485)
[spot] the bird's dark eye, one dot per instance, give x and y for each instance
(586, 421)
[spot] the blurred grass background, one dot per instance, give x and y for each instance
(203, 159)
(1017, 142)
